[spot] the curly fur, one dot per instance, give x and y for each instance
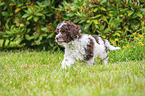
(81, 47)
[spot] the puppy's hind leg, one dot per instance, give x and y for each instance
(105, 61)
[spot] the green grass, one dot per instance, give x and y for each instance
(32, 73)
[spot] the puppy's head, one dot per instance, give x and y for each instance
(67, 31)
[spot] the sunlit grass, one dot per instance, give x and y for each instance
(26, 72)
(38, 73)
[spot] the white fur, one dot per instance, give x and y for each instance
(75, 51)
(110, 47)
(60, 25)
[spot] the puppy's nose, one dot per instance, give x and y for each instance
(56, 31)
(56, 38)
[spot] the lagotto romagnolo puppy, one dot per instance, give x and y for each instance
(81, 47)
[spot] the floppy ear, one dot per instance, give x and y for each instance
(75, 30)
(70, 31)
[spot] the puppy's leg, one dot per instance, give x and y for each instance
(105, 61)
(67, 62)
(90, 61)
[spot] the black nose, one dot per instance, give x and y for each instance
(56, 38)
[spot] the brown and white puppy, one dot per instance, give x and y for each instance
(81, 47)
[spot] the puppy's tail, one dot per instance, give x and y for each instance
(110, 47)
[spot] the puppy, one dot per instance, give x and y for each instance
(81, 47)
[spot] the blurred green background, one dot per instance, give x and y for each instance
(32, 23)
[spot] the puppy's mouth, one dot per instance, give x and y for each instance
(60, 41)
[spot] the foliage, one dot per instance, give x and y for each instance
(133, 50)
(113, 19)
(33, 23)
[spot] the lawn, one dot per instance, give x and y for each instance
(38, 73)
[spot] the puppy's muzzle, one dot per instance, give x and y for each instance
(59, 38)
(56, 38)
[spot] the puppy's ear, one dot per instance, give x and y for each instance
(69, 21)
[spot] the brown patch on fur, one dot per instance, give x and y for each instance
(70, 31)
(89, 50)
(96, 38)
(106, 49)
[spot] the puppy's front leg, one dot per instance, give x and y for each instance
(90, 61)
(67, 61)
